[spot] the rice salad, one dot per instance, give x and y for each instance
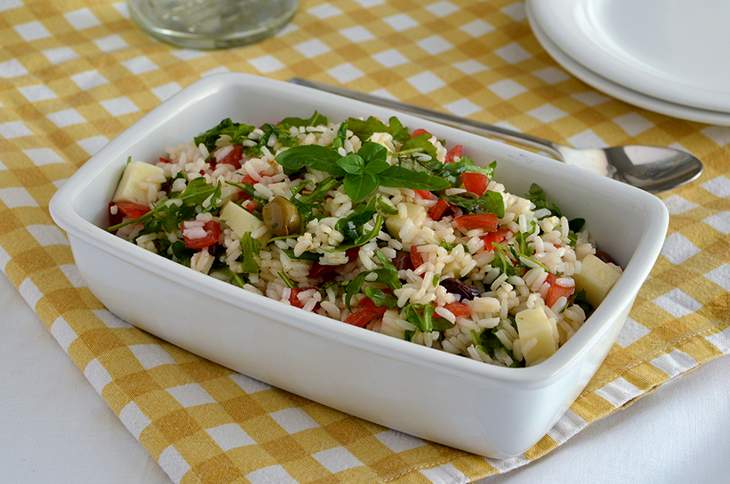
(375, 225)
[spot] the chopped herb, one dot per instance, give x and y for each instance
(363, 129)
(380, 298)
(287, 280)
(250, 249)
(490, 202)
(580, 299)
(419, 144)
(237, 132)
(310, 256)
(316, 119)
(397, 176)
(538, 196)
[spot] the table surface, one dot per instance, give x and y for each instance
(62, 431)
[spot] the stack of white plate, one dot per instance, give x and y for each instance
(668, 56)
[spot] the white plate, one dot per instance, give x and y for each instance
(674, 50)
(617, 91)
(481, 408)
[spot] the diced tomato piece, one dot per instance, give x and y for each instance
(352, 253)
(212, 234)
(556, 291)
(366, 302)
(234, 157)
(494, 238)
(486, 221)
(248, 180)
(251, 205)
(425, 194)
(437, 211)
(294, 299)
(402, 261)
(363, 316)
(419, 132)
(164, 159)
(455, 152)
(459, 310)
(476, 183)
(416, 257)
(132, 210)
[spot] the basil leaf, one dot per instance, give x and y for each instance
(538, 196)
(372, 152)
(312, 156)
(359, 187)
(352, 164)
(490, 202)
(237, 132)
(249, 248)
(376, 167)
(396, 176)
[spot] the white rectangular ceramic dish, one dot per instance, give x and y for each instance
(481, 408)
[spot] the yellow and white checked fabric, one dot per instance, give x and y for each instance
(74, 75)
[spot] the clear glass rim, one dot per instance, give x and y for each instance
(205, 41)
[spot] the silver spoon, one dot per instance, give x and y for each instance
(652, 168)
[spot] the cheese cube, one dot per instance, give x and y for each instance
(239, 219)
(383, 139)
(538, 335)
(140, 183)
(394, 222)
(596, 278)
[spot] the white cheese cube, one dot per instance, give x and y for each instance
(140, 183)
(394, 222)
(383, 139)
(596, 278)
(537, 335)
(239, 219)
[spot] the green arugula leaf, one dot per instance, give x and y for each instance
(502, 259)
(353, 287)
(380, 298)
(351, 225)
(453, 171)
(419, 315)
(538, 196)
(249, 248)
(397, 176)
(237, 132)
(235, 279)
(286, 279)
(310, 256)
(360, 187)
(352, 164)
(490, 202)
(397, 130)
(316, 119)
(489, 342)
(320, 192)
(339, 140)
(419, 144)
(384, 206)
(363, 129)
(311, 156)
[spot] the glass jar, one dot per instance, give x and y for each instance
(211, 24)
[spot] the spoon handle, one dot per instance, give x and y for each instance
(476, 127)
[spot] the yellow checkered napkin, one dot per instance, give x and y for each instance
(74, 76)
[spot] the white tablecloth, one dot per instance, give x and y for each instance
(55, 428)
